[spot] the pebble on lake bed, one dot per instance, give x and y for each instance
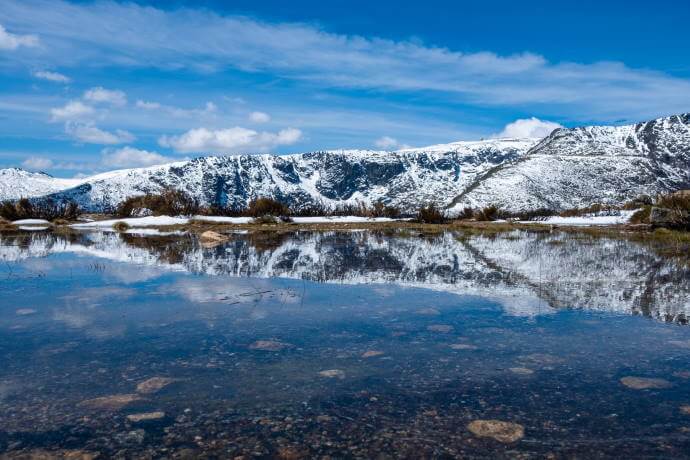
(333, 374)
(112, 403)
(681, 343)
(685, 409)
(428, 312)
(372, 353)
(521, 371)
(462, 346)
(505, 432)
(146, 416)
(643, 383)
(269, 345)
(154, 384)
(25, 311)
(444, 328)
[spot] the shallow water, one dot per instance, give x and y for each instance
(347, 344)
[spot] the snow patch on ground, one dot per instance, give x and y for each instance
(31, 222)
(585, 221)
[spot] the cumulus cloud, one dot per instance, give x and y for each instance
(231, 140)
(52, 76)
(89, 133)
(302, 52)
(127, 157)
(259, 117)
(528, 127)
(107, 96)
(73, 110)
(37, 163)
(147, 105)
(9, 41)
(386, 143)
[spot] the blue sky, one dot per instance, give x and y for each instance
(91, 86)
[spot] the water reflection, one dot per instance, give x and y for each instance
(341, 344)
(528, 273)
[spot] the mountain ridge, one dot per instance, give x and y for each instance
(571, 167)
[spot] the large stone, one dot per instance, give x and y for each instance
(154, 385)
(110, 403)
(505, 432)
(644, 383)
(269, 345)
(145, 416)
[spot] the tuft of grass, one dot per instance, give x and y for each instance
(641, 216)
(120, 226)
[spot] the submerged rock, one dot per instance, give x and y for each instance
(505, 432)
(443, 328)
(333, 373)
(146, 416)
(154, 384)
(112, 403)
(372, 353)
(521, 371)
(643, 383)
(428, 312)
(463, 346)
(25, 311)
(269, 345)
(685, 409)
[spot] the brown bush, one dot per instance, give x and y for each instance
(39, 209)
(430, 214)
(170, 203)
(641, 216)
(267, 207)
(488, 213)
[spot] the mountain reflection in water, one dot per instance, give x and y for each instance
(528, 273)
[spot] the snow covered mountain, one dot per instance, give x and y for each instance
(569, 168)
(16, 183)
(596, 164)
(405, 178)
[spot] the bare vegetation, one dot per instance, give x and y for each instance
(43, 209)
(430, 214)
(169, 203)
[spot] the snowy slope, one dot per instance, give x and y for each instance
(405, 178)
(16, 183)
(596, 164)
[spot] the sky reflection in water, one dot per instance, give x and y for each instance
(313, 343)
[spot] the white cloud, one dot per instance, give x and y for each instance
(209, 109)
(259, 117)
(11, 42)
(148, 105)
(52, 76)
(128, 157)
(386, 142)
(89, 133)
(91, 32)
(528, 127)
(231, 140)
(73, 110)
(100, 94)
(37, 163)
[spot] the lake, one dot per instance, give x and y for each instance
(343, 344)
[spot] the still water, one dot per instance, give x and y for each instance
(342, 345)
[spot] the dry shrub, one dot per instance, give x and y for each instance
(430, 214)
(641, 216)
(120, 226)
(267, 207)
(39, 209)
(169, 203)
(488, 213)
